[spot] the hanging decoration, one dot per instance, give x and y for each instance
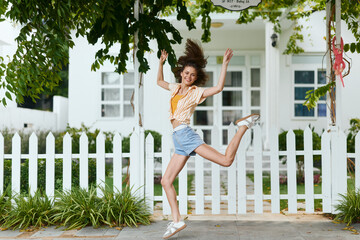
(339, 64)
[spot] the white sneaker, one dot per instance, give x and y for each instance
(173, 228)
(248, 121)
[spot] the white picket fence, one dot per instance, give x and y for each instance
(142, 156)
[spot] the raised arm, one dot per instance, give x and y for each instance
(220, 86)
(160, 75)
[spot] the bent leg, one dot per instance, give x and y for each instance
(176, 163)
(215, 156)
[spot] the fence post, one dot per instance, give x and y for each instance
(117, 163)
(15, 163)
(134, 163)
(100, 163)
(232, 175)
(244, 144)
(50, 165)
(67, 162)
(291, 171)
(149, 183)
(33, 163)
(215, 175)
(199, 180)
(1, 163)
(275, 181)
(258, 175)
(84, 161)
(338, 166)
(357, 161)
(326, 171)
(142, 162)
(309, 170)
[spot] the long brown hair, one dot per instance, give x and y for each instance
(194, 57)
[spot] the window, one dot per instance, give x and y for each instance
(255, 90)
(232, 101)
(116, 93)
(305, 80)
(241, 95)
(204, 115)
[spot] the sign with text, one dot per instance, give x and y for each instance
(236, 5)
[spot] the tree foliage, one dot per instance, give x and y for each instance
(48, 28)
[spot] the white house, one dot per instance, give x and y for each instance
(260, 79)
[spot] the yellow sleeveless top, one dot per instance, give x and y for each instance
(174, 102)
(186, 105)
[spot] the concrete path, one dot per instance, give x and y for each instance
(226, 227)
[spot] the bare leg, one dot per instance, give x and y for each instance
(213, 155)
(176, 163)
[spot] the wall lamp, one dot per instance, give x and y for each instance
(274, 38)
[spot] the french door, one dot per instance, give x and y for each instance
(240, 97)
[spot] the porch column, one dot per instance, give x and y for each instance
(271, 119)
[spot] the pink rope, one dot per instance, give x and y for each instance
(339, 64)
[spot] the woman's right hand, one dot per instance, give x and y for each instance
(163, 56)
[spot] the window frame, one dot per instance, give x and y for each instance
(122, 102)
(306, 67)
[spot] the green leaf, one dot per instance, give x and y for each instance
(352, 47)
(346, 47)
(8, 95)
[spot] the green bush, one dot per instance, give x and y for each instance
(29, 211)
(24, 178)
(156, 136)
(353, 130)
(75, 134)
(299, 145)
(349, 207)
(41, 135)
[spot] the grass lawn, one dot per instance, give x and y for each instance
(300, 190)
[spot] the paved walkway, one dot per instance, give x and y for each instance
(226, 227)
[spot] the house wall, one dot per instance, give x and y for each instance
(85, 90)
(315, 44)
(84, 106)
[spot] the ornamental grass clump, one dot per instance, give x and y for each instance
(78, 208)
(125, 208)
(349, 207)
(29, 211)
(5, 205)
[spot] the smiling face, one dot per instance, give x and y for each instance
(188, 75)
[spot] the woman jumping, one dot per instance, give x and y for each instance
(185, 96)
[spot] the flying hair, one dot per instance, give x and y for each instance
(194, 57)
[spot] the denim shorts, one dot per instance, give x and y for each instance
(186, 140)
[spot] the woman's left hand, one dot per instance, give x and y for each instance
(227, 56)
